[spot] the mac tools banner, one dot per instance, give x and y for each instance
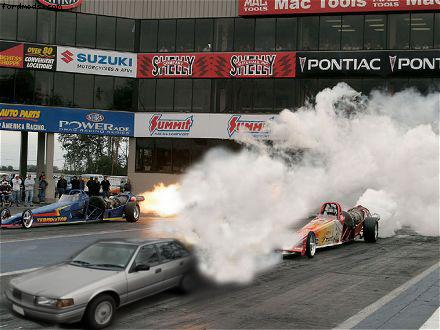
(292, 7)
(201, 125)
(92, 61)
(385, 64)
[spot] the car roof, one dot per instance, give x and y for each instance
(136, 241)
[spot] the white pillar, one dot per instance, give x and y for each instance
(50, 147)
(41, 150)
(131, 165)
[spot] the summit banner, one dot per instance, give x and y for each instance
(292, 7)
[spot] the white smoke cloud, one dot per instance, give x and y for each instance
(381, 152)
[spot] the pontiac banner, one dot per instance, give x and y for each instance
(293, 7)
(217, 65)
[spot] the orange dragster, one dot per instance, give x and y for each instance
(332, 226)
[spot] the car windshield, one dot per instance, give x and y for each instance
(69, 198)
(105, 255)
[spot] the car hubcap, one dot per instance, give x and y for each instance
(136, 213)
(27, 219)
(103, 313)
(4, 215)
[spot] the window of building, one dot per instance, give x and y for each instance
(423, 85)
(308, 30)
(125, 34)
(422, 30)
(243, 95)
(284, 94)
(437, 31)
(263, 95)
(27, 25)
(398, 31)
(375, 36)
(84, 89)
(43, 87)
(7, 77)
(224, 35)
(24, 86)
(8, 23)
(223, 95)
(86, 30)
(286, 33)
(148, 39)
(162, 161)
(265, 34)
(63, 89)
(201, 95)
(352, 32)
(182, 95)
(167, 35)
(244, 34)
(124, 94)
(144, 155)
(105, 32)
(204, 34)
(103, 92)
(181, 155)
(330, 32)
(372, 84)
(164, 94)
(46, 26)
(396, 85)
(307, 90)
(66, 27)
(185, 35)
(147, 95)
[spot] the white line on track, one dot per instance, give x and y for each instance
(433, 321)
(367, 311)
(19, 271)
(67, 236)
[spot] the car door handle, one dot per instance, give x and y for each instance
(158, 270)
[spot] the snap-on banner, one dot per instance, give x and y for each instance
(201, 125)
(383, 63)
(217, 65)
(11, 54)
(292, 7)
(32, 118)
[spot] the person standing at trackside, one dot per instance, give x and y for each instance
(76, 185)
(29, 184)
(90, 185)
(42, 185)
(105, 185)
(61, 186)
(5, 191)
(16, 189)
(96, 187)
(127, 186)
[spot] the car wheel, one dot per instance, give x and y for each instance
(27, 219)
(132, 212)
(100, 312)
(311, 244)
(5, 213)
(187, 283)
(371, 230)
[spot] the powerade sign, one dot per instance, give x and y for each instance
(62, 120)
(100, 62)
(387, 63)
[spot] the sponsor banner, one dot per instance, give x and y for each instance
(385, 63)
(293, 7)
(197, 125)
(99, 62)
(217, 65)
(61, 4)
(63, 120)
(40, 57)
(11, 54)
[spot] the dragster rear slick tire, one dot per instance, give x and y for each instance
(132, 212)
(371, 230)
(311, 244)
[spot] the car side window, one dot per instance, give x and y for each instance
(179, 249)
(147, 256)
(168, 252)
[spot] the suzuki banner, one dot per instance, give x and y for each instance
(384, 63)
(93, 61)
(293, 7)
(217, 65)
(200, 125)
(62, 120)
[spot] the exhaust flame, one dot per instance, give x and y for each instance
(163, 201)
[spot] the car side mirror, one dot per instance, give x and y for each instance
(142, 267)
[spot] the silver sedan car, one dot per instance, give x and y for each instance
(99, 279)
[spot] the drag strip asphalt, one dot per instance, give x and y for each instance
(323, 292)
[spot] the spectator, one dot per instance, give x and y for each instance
(42, 189)
(41, 175)
(29, 184)
(82, 184)
(61, 186)
(75, 183)
(16, 188)
(96, 187)
(127, 186)
(90, 185)
(105, 185)
(5, 190)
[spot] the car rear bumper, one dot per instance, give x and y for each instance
(70, 315)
